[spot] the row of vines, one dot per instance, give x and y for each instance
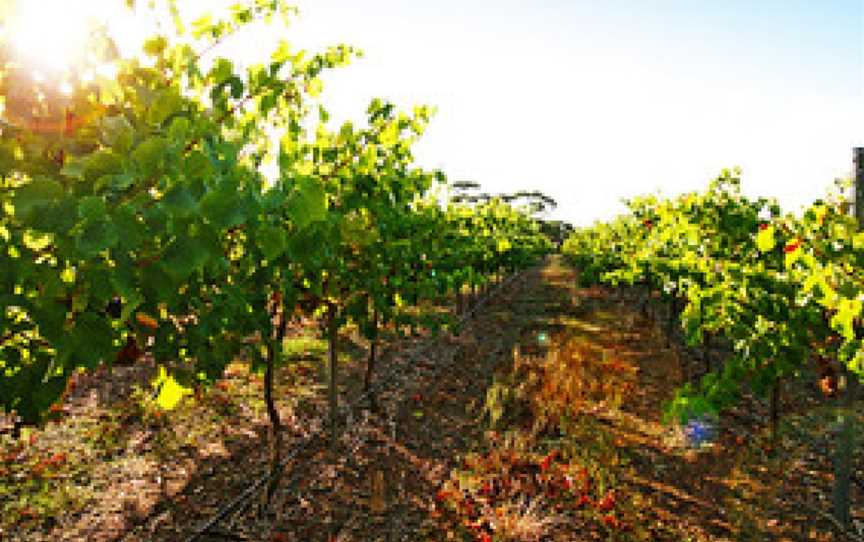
(134, 215)
(783, 292)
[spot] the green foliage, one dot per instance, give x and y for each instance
(778, 288)
(150, 193)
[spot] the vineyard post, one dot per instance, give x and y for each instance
(858, 172)
(848, 385)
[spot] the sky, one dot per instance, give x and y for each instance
(594, 101)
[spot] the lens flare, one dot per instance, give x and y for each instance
(48, 35)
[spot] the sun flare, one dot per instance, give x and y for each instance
(50, 36)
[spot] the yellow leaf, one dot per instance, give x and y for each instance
(792, 257)
(765, 239)
(160, 378)
(37, 241)
(847, 311)
(171, 393)
(305, 168)
(68, 275)
(315, 87)
(820, 211)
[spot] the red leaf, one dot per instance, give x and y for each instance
(146, 320)
(828, 385)
(792, 246)
(547, 460)
(607, 502)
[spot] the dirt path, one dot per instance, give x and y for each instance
(547, 383)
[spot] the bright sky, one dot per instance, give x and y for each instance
(592, 101)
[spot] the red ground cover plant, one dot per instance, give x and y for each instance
(504, 495)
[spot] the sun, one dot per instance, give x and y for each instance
(48, 36)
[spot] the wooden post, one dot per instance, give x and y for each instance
(848, 386)
(858, 172)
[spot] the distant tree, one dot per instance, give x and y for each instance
(556, 230)
(536, 201)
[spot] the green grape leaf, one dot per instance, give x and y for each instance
(91, 208)
(308, 204)
(222, 209)
(102, 162)
(236, 85)
(272, 240)
(74, 168)
(165, 104)
(51, 321)
(117, 132)
(150, 153)
(118, 183)
(184, 256)
(222, 69)
(93, 338)
(197, 166)
(273, 200)
(39, 193)
(129, 227)
(179, 129)
(179, 201)
(96, 236)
